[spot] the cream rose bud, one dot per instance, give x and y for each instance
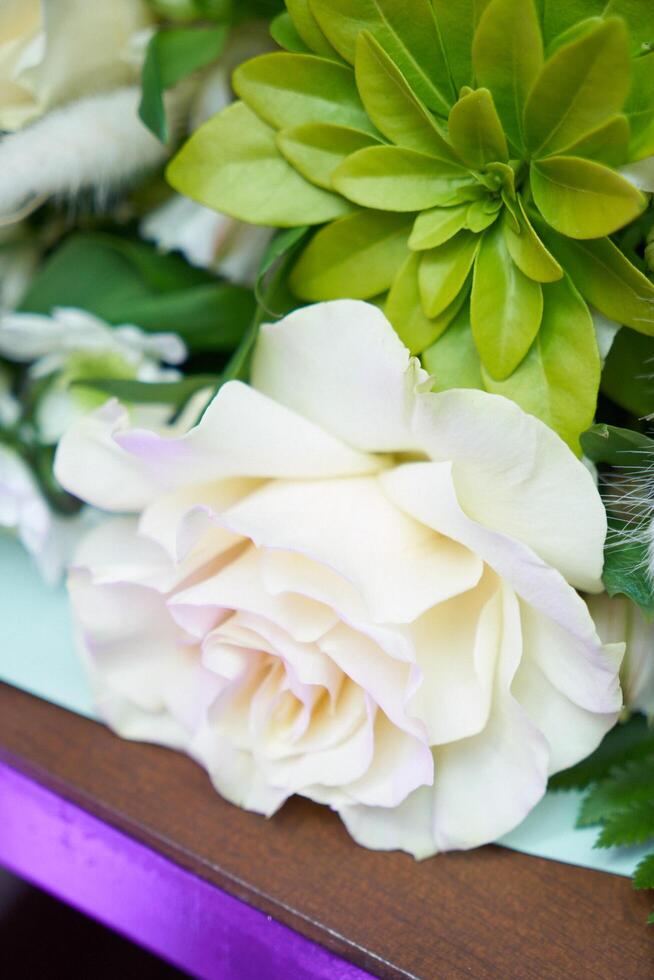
(620, 620)
(345, 586)
(55, 51)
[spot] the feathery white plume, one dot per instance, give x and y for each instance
(98, 142)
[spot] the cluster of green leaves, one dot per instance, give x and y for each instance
(619, 779)
(626, 558)
(463, 158)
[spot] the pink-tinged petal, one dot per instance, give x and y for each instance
(342, 365)
(514, 475)
(400, 567)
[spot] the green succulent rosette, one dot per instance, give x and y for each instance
(463, 158)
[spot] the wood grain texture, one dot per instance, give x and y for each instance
(487, 914)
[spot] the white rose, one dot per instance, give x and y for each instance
(55, 51)
(344, 586)
(619, 620)
(72, 344)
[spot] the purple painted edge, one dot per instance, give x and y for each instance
(146, 897)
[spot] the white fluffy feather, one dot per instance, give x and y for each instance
(97, 143)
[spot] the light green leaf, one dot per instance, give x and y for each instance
(584, 199)
(308, 29)
(475, 130)
(453, 361)
(172, 55)
(434, 227)
(284, 32)
(457, 23)
(480, 215)
(628, 375)
(608, 144)
(394, 108)
(508, 55)
(404, 309)
(615, 446)
(316, 149)
(581, 86)
(506, 307)
(560, 15)
(444, 270)
(413, 41)
(527, 250)
(606, 279)
(291, 89)
(394, 179)
(558, 380)
(639, 108)
(357, 257)
(231, 163)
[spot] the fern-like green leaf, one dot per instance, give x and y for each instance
(644, 873)
(632, 825)
(626, 742)
(627, 785)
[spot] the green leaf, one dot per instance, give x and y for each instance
(618, 447)
(581, 86)
(633, 825)
(317, 149)
(480, 215)
(628, 376)
(457, 23)
(506, 307)
(560, 15)
(174, 393)
(394, 179)
(633, 739)
(231, 163)
(639, 16)
(508, 55)
(444, 270)
(639, 108)
(285, 245)
(626, 566)
(404, 309)
(413, 42)
(395, 109)
(608, 144)
(630, 784)
(171, 56)
(308, 29)
(558, 380)
(284, 32)
(291, 89)
(606, 279)
(433, 228)
(476, 131)
(453, 361)
(584, 199)
(644, 873)
(356, 257)
(527, 250)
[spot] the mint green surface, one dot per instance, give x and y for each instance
(37, 654)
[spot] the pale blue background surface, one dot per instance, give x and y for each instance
(37, 654)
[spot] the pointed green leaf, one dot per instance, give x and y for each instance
(507, 56)
(631, 783)
(173, 393)
(558, 380)
(308, 29)
(608, 144)
(453, 361)
(606, 279)
(394, 179)
(482, 214)
(639, 108)
(404, 309)
(475, 130)
(618, 447)
(434, 227)
(231, 163)
(394, 108)
(527, 250)
(457, 23)
(357, 257)
(584, 199)
(581, 86)
(506, 307)
(413, 41)
(291, 89)
(284, 32)
(316, 149)
(633, 825)
(444, 270)
(623, 379)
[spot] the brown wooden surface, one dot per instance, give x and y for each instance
(488, 914)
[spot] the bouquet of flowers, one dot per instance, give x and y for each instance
(327, 359)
